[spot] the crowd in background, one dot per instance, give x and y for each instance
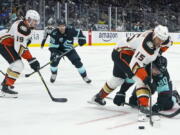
(126, 15)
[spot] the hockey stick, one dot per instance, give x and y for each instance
(150, 98)
(53, 98)
(157, 113)
(153, 113)
(2, 72)
(28, 75)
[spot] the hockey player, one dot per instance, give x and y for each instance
(130, 60)
(47, 31)
(61, 40)
(13, 47)
(167, 97)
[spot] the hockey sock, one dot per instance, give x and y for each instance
(105, 91)
(11, 77)
(82, 71)
(142, 96)
(54, 70)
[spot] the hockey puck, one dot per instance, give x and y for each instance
(141, 127)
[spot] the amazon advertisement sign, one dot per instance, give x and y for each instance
(104, 37)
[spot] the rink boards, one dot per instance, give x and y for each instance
(97, 38)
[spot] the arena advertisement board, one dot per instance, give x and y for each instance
(95, 38)
(114, 38)
(104, 38)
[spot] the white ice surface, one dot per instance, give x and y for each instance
(33, 112)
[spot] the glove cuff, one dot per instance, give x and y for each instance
(32, 60)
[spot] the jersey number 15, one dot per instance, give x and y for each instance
(140, 56)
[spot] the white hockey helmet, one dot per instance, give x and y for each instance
(33, 14)
(161, 32)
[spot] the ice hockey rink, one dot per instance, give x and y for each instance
(33, 112)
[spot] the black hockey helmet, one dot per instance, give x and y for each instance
(61, 22)
(161, 63)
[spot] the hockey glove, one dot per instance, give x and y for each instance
(43, 43)
(34, 64)
(119, 99)
(156, 108)
(133, 100)
(82, 42)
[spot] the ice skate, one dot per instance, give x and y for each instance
(6, 91)
(142, 114)
(87, 80)
(176, 95)
(53, 78)
(97, 100)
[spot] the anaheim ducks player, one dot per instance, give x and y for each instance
(13, 47)
(130, 60)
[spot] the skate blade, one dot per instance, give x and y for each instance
(5, 95)
(94, 103)
(142, 119)
(88, 82)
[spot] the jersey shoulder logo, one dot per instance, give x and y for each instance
(150, 44)
(23, 28)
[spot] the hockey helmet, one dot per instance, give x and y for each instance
(33, 15)
(61, 22)
(161, 32)
(160, 63)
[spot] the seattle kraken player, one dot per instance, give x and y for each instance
(48, 30)
(61, 40)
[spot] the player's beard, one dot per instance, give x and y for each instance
(155, 71)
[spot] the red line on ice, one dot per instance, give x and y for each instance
(104, 118)
(123, 125)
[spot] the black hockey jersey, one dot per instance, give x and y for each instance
(65, 41)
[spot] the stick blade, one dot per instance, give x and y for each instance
(62, 100)
(27, 75)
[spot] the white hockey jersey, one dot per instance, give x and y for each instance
(18, 36)
(144, 52)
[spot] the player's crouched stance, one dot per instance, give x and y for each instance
(61, 41)
(167, 97)
(130, 60)
(13, 47)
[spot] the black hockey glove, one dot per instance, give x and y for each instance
(156, 108)
(43, 43)
(152, 86)
(133, 100)
(82, 42)
(119, 99)
(34, 64)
